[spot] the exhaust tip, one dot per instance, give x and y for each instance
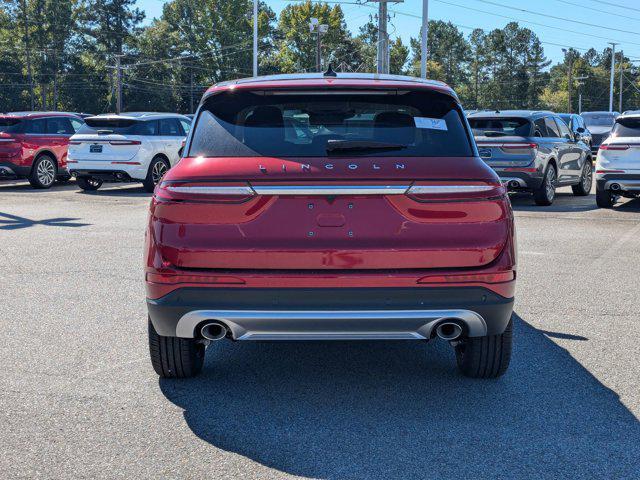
(615, 186)
(213, 331)
(513, 184)
(449, 331)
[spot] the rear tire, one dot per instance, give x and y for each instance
(174, 357)
(485, 357)
(604, 198)
(44, 171)
(546, 193)
(583, 188)
(159, 166)
(89, 183)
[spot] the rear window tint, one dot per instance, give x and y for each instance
(10, 125)
(245, 124)
(627, 127)
(500, 127)
(120, 126)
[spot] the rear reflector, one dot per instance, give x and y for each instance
(498, 277)
(523, 169)
(173, 279)
(602, 171)
(125, 163)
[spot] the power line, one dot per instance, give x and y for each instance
(606, 12)
(611, 4)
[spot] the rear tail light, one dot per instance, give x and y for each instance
(614, 147)
(435, 192)
(205, 192)
(125, 142)
(515, 148)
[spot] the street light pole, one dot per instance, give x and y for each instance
(613, 67)
(319, 29)
(621, 75)
(569, 80)
(425, 36)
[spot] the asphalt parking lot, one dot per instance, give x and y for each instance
(79, 399)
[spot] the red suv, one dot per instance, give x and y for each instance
(324, 207)
(33, 145)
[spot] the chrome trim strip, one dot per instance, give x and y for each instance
(418, 189)
(625, 185)
(330, 189)
(331, 324)
(202, 190)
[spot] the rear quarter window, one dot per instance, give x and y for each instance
(290, 124)
(11, 125)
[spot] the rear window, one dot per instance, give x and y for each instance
(598, 120)
(627, 127)
(283, 124)
(10, 125)
(120, 126)
(500, 127)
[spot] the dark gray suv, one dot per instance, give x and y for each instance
(533, 151)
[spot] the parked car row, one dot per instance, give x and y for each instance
(47, 146)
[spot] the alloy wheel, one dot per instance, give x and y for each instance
(587, 177)
(158, 171)
(551, 183)
(46, 171)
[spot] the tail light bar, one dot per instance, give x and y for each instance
(237, 192)
(605, 170)
(110, 142)
(511, 146)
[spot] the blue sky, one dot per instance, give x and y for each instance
(619, 19)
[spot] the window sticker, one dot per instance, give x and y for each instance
(430, 123)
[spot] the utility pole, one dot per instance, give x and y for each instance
(569, 72)
(425, 36)
(621, 76)
(613, 68)
(27, 47)
(119, 85)
(255, 40)
(191, 86)
(43, 93)
(383, 38)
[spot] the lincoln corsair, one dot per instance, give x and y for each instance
(330, 207)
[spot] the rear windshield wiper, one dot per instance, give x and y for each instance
(361, 145)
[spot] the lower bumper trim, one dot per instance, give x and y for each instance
(332, 324)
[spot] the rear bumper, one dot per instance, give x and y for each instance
(330, 313)
(619, 182)
(520, 180)
(10, 169)
(110, 171)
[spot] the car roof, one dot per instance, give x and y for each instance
(509, 113)
(602, 112)
(332, 80)
(36, 114)
(140, 115)
(630, 114)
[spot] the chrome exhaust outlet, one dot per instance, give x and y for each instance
(213, 331)
(615, 187)
(513, 184)
(449, 331)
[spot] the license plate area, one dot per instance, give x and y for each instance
(95, 148)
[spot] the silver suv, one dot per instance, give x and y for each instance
(533, 151)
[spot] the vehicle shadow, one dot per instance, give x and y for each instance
(15, 222)
(118, 190)
(401, 410)
(25, 186)
(564, 202)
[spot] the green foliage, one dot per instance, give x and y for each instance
(60, 54)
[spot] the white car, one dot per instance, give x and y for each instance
(131, 147)
(618, 162)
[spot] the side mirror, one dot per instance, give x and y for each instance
(577, 137)
(580, 130)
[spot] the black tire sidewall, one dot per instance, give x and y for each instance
(33, 178)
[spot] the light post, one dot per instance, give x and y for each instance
(319, 29)
(570, 71)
